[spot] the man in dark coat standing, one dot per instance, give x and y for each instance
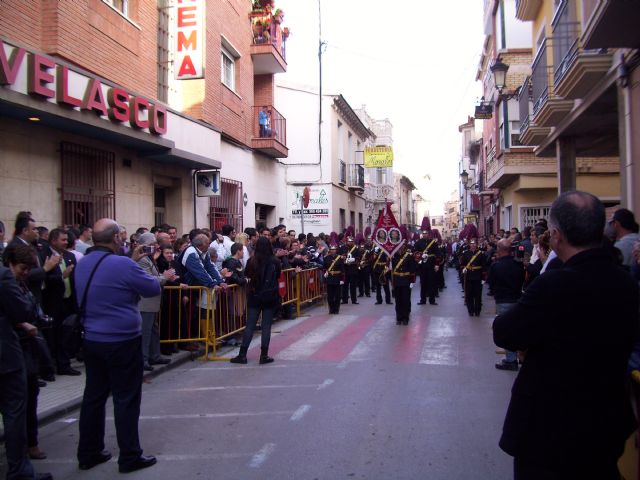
(571, 419)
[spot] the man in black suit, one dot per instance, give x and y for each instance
(14, 309)
(571, 419)
(58, 300)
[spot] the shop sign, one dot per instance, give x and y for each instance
(189, 52)
(42, 77)
(484, 111)
(208, 183)
(378, 157)
(387, 234)
(314, 202)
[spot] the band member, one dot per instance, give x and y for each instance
(403, 275)
(473, 263)
(351, 259)
(334, 274)
(380, 273)
(425, 249)
(364, 270)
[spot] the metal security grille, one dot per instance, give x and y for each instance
(227, 207)
(530, 215)
(88, 184)
(163, 52)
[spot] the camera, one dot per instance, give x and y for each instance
(517, 250)
(148, 249)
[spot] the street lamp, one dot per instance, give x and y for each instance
(499, 70)
(464, 176)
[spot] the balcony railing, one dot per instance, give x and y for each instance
(541, 76)
(266, 31)
(269, 131)
(355, 177)
(565, 41)
(525, 98)
(343, 172)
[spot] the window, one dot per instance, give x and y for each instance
(88, 184)
(343, 220)
(350, 147)
(163, 55)
(352, 217)
(227, 207)
(120, 5)
(360, 222)
(530, 215)
(228, 72)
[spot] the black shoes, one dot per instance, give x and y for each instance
(422, 303)
(433, 303)
(49, 377)
(147, 368)
(264, 356)
(389, 303)
(102, 457)
(378, 303)
(160, 361)
(344, 302)
(140, 463)
(69, 371)
(355, 303)
(504, 365)
(242, 356)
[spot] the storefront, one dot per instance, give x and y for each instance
(76, 147)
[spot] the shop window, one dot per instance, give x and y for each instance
(88, 184)
(159, 205)
(226, 208)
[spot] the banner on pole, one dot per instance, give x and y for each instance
(387, 234)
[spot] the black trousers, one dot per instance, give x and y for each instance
(13, 407)
(403, 303)
(473, 295)
(377, 287)
(349, 288)
(115, 368)
(427, 286)
(580, 469)
(333, 297)
(364, 281)
(33, 391)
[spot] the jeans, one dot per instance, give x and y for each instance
(500, 309)
(150, 337)
(13, 406)
(265, 327)
(116, 368)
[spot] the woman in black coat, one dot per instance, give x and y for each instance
(262, 273)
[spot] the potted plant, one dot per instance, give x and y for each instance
(266, 3)
(278, 16)
(285, 33)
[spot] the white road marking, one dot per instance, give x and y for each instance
(186, 416)
(69, 420)
(239, 387)
(163, 458)
(312, 341)
(247, 367)
(438, 348)
(325, 384)
(376, 336)
(301, 412)
(260, 457)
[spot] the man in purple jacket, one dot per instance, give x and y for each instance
(112, 348)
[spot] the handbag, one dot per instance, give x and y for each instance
(73, 325)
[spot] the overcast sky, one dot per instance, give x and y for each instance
(411, 61)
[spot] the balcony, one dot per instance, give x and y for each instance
(611, 24)
(577, 70)
(355, 177)
(508, 167)
(530, 133)
(527, 10)
(548, 108)
(378, 193)
(268, 46)
(269, 132)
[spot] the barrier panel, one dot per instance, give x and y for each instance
(310, 286)
(229, 314)
(289, 288)
(185, 315)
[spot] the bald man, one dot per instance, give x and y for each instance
(506, 277)
(112, 347)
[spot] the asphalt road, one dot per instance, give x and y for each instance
(349, 396)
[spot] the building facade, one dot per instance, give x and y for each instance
(451, 226)
(326, 157)
(470, 171)
(123, 127)
(403, 207)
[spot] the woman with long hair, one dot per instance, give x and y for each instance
(262, 273)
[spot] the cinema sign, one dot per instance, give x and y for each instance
(42, 77)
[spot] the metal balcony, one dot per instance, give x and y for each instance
(611, 24)
(269, 132)
(268, 44)
(530, 133)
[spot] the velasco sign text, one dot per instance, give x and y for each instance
(47, 79)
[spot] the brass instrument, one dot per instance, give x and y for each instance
(363, 259)
(384, 276)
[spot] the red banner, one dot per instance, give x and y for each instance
(387, 234)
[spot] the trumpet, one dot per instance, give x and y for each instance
(384, 275)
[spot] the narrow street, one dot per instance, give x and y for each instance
(349, 396)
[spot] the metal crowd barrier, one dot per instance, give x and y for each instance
(185, 315)
(203, 315)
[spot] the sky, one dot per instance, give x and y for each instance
(413, 62)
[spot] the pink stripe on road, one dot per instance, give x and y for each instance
(340, 346)
(409, 346)
(292, 335)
